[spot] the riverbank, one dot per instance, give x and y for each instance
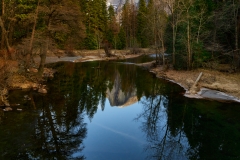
(208, 87)
(90, 55)
(13, 76)
(212, 85)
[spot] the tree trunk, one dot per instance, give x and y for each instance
(236, 25)
(43, 55)
(11, 32)
(173, 44)
(189, 46)
(3, 12)
(8, 54)
(29, 56)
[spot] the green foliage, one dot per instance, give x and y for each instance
(213, 25)
(90, 42)
(110, 37)
(121, 39)
(60, 38)
(200, 55)
(111, 13)
(96, 16)
(142, 24)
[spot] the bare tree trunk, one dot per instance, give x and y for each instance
(11, 32)
(173, 44)
(214, 32)
(189, 46)
(29, 56)
(236, 24)
(173, 31)
(8, 54)
(34, 28)
(163, 50)
(43, 55)
(200, 25)
(3, 12)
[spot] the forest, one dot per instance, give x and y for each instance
(193, 33)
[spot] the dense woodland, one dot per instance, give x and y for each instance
(193, 33)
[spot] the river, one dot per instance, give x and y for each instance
(116, 111)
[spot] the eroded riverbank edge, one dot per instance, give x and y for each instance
(213, 85)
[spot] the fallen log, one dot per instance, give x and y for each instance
(192, 90)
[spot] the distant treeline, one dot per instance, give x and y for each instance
(196, 33)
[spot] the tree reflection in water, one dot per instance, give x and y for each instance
(179, 128)
(52, 126)
(58, 134)
(161, 143)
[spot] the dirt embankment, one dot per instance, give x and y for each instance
(228, 83)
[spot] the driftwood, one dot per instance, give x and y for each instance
(193, 88)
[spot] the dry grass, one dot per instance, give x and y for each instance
(221, 81)
(7, 68)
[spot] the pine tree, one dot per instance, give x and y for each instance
(113, 27)
(121, 39)
(95, 20)
(129, 23)
(142, 24)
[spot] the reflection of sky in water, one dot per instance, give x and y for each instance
(115, 134)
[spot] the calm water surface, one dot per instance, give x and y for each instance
(117, 111)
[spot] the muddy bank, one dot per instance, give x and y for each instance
(212, 85)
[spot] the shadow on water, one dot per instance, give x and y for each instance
(54, 126)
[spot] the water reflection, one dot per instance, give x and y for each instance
(181, 128)
(55, 127)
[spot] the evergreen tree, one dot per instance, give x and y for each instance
(121, 39)
(113, 27)
(95, 12)
(142, 24)
(149, 23)
(129, 23)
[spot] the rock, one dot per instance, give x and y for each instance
(7, 109)
(33, 70)
(26, 97)
(35, 86)
(42, 90)
(25, 86)
(4, 92)
(48, 73)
